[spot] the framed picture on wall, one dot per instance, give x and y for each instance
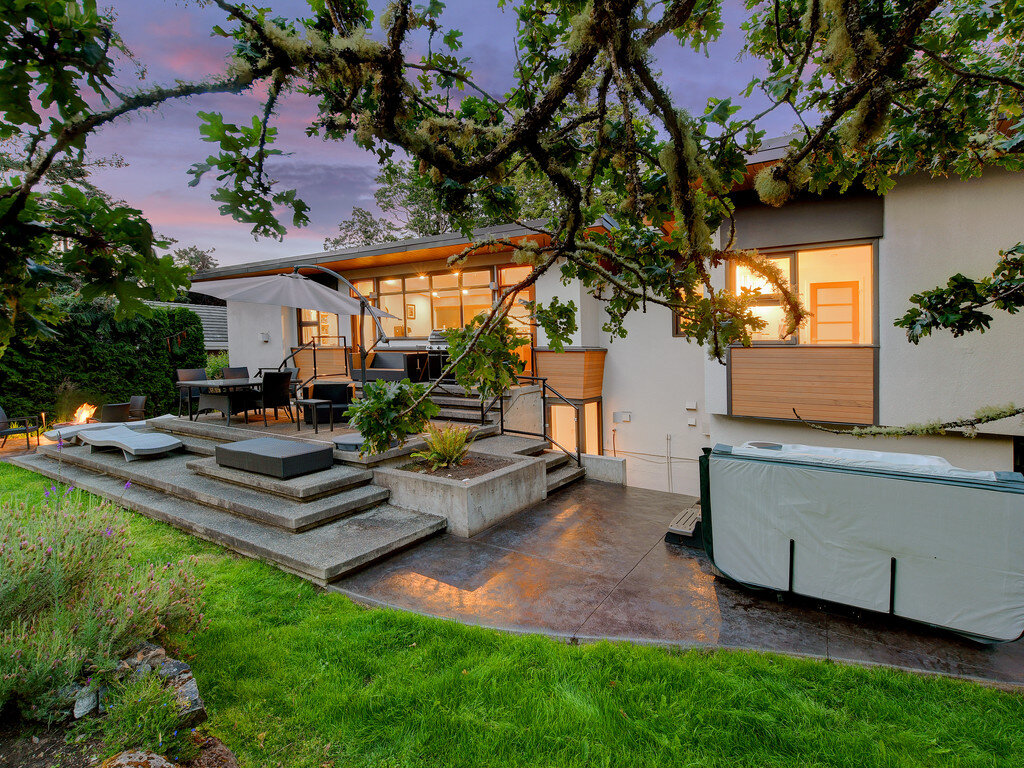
(410, 311)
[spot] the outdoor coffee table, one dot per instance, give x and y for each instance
(312, 402)
(217, 394)
(275, 457)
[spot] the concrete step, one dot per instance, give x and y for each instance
(471, 415)
(171, 474)
(198, 445)
(564, 475)
(685, 528)
(555, 459)
(321, 555)
(305, 488)
(511, 445)
(457, 402)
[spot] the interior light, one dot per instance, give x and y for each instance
(434, 293)
(464, 290)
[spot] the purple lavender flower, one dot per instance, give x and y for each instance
(109, 532)
(46, 494)
(127, 484)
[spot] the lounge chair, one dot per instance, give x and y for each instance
(9, 426)
(133, 444)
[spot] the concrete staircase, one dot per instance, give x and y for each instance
(561, 469)
(321, 526)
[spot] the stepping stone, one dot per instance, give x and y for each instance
(304, 488)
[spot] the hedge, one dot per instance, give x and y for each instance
(98, 359)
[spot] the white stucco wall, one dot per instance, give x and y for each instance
(934, 229)
(246, 324)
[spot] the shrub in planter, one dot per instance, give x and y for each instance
(446, 446)
(72, 603)
(387, 412)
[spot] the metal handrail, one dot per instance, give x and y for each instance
(312, 345)
(545, 388)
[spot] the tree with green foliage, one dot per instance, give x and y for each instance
(194, 258)
(881, 89)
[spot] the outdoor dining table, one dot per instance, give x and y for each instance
(217, 394)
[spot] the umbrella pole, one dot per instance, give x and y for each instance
(362, 346)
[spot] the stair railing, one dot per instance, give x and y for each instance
(312, 345)
(546, 388)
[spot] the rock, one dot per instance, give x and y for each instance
(150, 654)
(193, 711)
(137, 758)
(213, 754)
(85, 703)
(142, 669)
(172, 668)
(70, 693)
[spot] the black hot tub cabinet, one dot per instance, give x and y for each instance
(902, 534)
(275, 457)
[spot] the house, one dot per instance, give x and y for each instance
(655, 398)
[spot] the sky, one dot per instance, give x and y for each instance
(172, 39)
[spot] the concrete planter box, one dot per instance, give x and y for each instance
(473, 505)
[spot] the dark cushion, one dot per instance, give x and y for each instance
(389, 360)
(275, 457)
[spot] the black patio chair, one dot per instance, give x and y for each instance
(137, 408)
(241, 372)
(9, 427)
(189, 394)
(275, 393)
(112, 413)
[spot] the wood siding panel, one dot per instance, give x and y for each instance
(830, 384)
(575, 374)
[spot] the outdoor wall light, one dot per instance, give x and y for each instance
(264, 337)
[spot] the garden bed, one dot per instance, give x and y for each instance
(471, 467)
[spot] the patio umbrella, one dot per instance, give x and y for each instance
(290, 290)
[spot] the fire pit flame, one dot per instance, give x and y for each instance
(83, 413)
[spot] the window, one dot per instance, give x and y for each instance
(836, 285)
(322, 326)
(422, 303)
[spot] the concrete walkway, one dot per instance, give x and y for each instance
(591, 562)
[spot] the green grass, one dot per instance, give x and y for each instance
(297, 677)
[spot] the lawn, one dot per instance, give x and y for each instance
(294, 676)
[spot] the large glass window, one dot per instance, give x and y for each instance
(422, 303)
(836, 285)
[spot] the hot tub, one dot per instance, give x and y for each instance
(897, 533)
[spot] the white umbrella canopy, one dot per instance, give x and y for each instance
(291, 290)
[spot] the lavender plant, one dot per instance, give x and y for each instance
(72, 602)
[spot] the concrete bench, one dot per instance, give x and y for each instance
(275, 457)
(133, 444)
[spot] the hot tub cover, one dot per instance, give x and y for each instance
(882, 531)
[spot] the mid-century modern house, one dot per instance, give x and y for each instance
(655, 398)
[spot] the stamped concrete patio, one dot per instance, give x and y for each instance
(591, 562)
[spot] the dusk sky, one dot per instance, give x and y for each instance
(173, 40)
